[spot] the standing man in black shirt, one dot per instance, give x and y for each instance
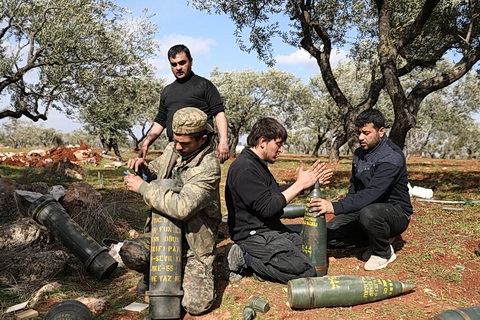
(188, 90)
(377, 206)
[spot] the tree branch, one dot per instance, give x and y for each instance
(419, 23)
(19, 113)
(430, 85)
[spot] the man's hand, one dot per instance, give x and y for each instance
(325, 175)
(307, 178)
(223, 152)
(321, 206)
(317, 172)
(137, 164)
(142, 153)
(132, 182)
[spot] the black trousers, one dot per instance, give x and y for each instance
(277, 256)
(372, 226)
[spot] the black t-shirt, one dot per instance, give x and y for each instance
(194, 91)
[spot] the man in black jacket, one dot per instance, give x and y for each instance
(377, 206)
(255, 204)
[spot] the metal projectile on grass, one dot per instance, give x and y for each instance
(338, 291)
(45, 210)
(469, 313)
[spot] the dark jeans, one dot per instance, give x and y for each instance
(372, 226)
(277, 256)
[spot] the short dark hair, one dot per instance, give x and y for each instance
(268, 128)
(370, 116)
(178, 48)
(199, 135)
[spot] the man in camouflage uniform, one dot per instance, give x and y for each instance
(191, 160)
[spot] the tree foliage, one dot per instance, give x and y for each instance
(249, 95)
(393, 38)
(53, 52)
(18, 134)
(446, 127)
(115, 106)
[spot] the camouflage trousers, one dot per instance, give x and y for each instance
(198, 280)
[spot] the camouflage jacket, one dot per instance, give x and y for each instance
(196, 201)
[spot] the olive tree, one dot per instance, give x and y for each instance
(446, 127)
(249, 95)
(115, 106)
(52, 52)
(394, 38)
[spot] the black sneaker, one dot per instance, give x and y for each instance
(233, 263)
(142, 286)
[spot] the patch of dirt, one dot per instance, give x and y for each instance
(81, 154)
(437, 253)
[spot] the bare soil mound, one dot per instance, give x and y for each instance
(79, 154)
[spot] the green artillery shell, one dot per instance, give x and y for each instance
(258, 304)
(293, 210)
(314, 244)
(45, 210)
(249, 313)
(470, 313)
(165, 285)
(336, 291)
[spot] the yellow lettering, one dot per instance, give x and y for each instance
(171, 239)
(156, 248)
(309, 223)
(334, 283)
(162, 258)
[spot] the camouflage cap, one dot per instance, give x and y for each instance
(189, 121)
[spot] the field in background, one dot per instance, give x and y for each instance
(438, 253)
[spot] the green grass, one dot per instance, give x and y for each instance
(438, 255)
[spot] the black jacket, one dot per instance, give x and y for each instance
(254, 199)
(378, 176)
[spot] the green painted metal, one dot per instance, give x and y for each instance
(249, 313)
(165, 280)
(294, 210)
(469, 313)
(337, 291)
(314, 244)
(49, 213)
(259, 305)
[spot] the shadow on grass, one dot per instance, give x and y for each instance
(338, 253)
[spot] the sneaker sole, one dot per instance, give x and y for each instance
(392, 258)
(229, 275)
(368, 253)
